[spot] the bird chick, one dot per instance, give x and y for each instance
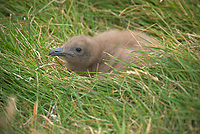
(84, 53)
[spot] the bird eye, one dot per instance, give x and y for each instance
(78, 49)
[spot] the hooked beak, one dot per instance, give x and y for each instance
(59, 52)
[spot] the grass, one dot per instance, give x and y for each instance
(162, 96)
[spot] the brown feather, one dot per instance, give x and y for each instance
(83, 53)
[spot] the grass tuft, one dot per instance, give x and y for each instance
(160, 94)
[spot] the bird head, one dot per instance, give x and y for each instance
(79, 52)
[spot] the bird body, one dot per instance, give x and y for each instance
(84, 53)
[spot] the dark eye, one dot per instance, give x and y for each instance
(78, 49)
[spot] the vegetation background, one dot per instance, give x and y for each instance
(39, 95)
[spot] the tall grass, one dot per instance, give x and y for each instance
(161, 96)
